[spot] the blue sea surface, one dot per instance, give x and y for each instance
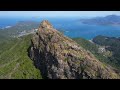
(72, 27)
(9, 21)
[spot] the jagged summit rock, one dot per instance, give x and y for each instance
(46, 24)
(59, 57)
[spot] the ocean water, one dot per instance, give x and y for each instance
(9, 21)
(72, 27)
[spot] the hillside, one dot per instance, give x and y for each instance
(59, 57)
(14, 60)
(48, 54)
(104, 57)
(93, 48)
(113, 45)
(21, 27)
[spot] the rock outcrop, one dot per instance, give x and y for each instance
(59, 57)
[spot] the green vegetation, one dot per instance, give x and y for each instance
(112, 44)
(3, 36)
(19, 27)
(86, 44)
(14, 60)
(93, 48)
(66, 59)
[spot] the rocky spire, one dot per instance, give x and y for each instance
(45, 24)
(59, 57)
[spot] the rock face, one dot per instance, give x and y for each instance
(59, 57)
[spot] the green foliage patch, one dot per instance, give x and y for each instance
(14, 60)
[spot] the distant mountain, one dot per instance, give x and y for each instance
(107, 20)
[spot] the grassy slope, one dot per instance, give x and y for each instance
(14, 60)
(94, 49)
(15, 63)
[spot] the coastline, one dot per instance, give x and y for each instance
(91, 40)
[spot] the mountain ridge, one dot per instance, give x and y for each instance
(59, 57)
(48, 54)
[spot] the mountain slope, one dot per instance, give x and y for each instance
(19, 27)
(59, 57)
(113, 45)
(94, 48)
(14, 60)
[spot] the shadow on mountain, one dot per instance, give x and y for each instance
(37, 61)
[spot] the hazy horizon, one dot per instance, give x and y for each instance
(57, 14)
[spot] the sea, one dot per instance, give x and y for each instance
(71, 26)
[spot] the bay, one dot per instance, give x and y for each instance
(72, 27)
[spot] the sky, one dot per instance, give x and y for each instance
(57, 13)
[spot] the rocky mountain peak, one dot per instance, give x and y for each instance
(59, 57)
(46, 24)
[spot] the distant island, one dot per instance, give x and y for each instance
(107, 20)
